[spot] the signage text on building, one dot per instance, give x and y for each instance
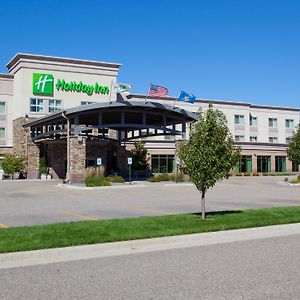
(43, 84)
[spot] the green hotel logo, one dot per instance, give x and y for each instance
(42, 84)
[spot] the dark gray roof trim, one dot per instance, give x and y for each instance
(7, 76)
(35, 57)
(106, 106)
(207, 101)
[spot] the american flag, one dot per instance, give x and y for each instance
(157, 90)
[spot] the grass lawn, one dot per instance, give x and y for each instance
(91, 232)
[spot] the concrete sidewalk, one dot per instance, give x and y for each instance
(47, 256)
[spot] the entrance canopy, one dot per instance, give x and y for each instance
(129, 120)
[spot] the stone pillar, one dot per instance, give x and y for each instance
(77, 160)
(289, 166)
(33, 161)
(254, 163)
(273, 163)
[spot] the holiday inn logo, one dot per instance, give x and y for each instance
(42, 84)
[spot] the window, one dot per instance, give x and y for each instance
(253, 138)
(54, 106)
(239, 120)
(162, 163)
(86, 102)
(280, 164)
(245, 164)
(264, 164)
(288, 140)
(239, 138)
(170, 137)
(295, 167)
(2, 107)
(289, 123)
(253, 121)
(272, 139)
(272, 122)
(2, 133)
(36, 105)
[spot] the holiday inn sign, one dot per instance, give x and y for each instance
(43, 84)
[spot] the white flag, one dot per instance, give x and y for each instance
(122, 87)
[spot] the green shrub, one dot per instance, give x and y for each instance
(92, 181)
(12, 164)
(180, 177)
(294, 180)
(238, 174)
(246, 174)
(265, 174)
(115, 179)
(43, 166)
(255, 174)
(154, 179)
(164, 177)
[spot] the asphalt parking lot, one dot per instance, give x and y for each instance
(27, 202)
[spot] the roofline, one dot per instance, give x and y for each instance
(169, 98)
(7, 76)
(37, 57)
(115, 104)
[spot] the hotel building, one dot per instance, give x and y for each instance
(67, 111)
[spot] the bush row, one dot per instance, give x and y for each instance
(258, 174)
(166, 177)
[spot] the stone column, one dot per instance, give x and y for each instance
(77, 160)
(273, 163)
(254, 163)
(289, 166)
(33, 161)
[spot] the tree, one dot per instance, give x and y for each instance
(12, 164)
(210, 153)
(293, 151)
(139, 156)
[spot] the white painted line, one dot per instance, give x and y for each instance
(40, 257)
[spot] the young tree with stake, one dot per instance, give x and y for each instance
(210, 152)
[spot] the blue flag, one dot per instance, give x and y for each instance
(185, 97)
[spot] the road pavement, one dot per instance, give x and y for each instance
(266, 268)
(42, 202)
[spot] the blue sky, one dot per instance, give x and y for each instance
(238, 50)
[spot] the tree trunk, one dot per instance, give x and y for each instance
(203, 192)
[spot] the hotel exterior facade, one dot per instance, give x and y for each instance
(39, 93)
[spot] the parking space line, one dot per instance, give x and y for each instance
(3, 226)
(77, 216)
(148, 210)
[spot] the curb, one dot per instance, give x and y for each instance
(47, 256)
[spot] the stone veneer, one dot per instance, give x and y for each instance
(77, 160)
(24, 147)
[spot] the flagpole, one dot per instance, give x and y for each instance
(147, 94)
(179, 91)
(109, 99)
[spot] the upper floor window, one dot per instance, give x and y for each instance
(239, 138)
(238, 119)
(289, 123)
(86, 102)
(272, 122)
(2, 107)
(253, 121)
(288, 140)
(54, 106)
(2, 133)
(36, 105)
(253, 138)
(273, 139)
